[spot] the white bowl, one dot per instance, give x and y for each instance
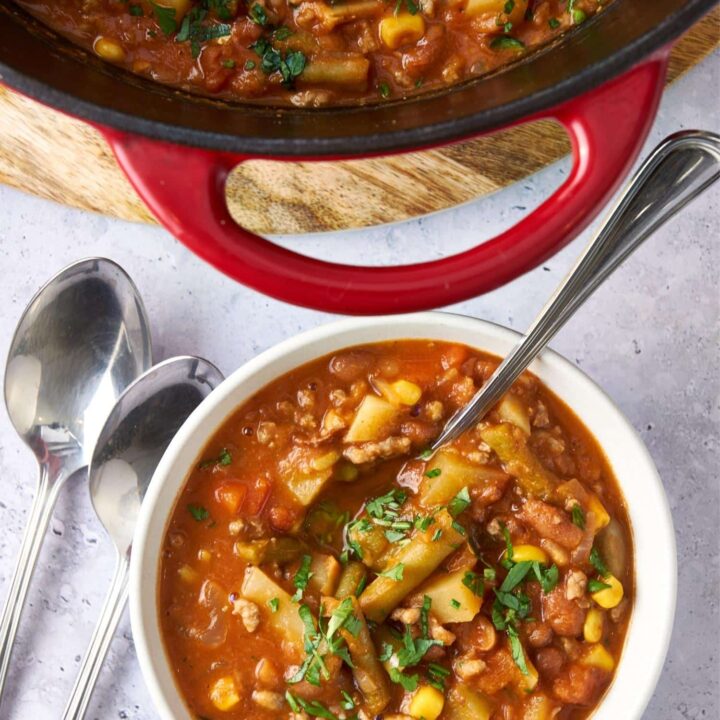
(655, 558)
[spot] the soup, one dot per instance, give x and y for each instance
(322, 562)
(311, 52)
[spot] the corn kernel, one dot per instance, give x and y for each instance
(188, 574)
(408, 393)
(204, 555)
(401, 30)
(224, 694)
(347, 472)
(427, 703)
(538, 707)
(326, 461)
(593, 627)
(109, 49)
(602, 518)
(609, 597)
(533, 553)
(597, 656)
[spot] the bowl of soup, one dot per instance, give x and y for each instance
(302, 553)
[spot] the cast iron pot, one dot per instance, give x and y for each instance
(602, 82)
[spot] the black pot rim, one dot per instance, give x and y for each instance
(450, 130)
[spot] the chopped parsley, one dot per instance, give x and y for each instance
(384, 90)
(437, 674)
(547, 577)
(249, 65)
(511, 604)
(224, 459)
(455, 603)
(489, 574)
(435, 472)
(598, 563)
(302, 577)
(136, 10)
(578, 516)
(516, 649)
(258, 15)
(509, 5)
(386, 507)
(165, 18)
(347, 702)
(426, 454)
(193, 30)
(394, 573)
(198, 512)
(339, 617)
(274, 604)
(594, 586)
(474, 583)
(411, 5)
(290, 65)
(515, 576)
(504, 42)
(229, 64)
(459, 503)
(437, 535)
(409, 682)
(283, 33)
(314, 708)
(554, 23)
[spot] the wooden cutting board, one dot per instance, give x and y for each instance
(56, 157)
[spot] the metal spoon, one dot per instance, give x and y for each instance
(81, 341)
(136, 434)
(677, 171)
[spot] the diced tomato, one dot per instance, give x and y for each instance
(454, 356)
(258, 492)
(231, 495)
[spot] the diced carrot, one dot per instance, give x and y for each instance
(231, 496)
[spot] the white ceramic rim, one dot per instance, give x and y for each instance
(654, 538)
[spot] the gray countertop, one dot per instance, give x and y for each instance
(650, 337)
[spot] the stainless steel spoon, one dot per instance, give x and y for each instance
(134, 438)
(678, 170)
(81, 341)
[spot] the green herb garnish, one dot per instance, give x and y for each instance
(598, 563)
(578, 516)
(473, 582)
(594, 586)
(165, 18)
(302, 577)
(504, 42)
(459, 503)
(394, 573)
(198, 512)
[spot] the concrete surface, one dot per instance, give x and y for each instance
(650, 337)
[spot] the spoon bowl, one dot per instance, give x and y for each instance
(83, 338)
(134, 438)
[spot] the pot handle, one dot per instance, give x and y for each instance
(185, 188)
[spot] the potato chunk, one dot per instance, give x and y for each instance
(372, 419)
(452, 600)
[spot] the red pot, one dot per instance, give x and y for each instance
(602, 83)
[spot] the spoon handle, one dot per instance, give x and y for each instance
(678, 170)
(104, 630)
(38, 520)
